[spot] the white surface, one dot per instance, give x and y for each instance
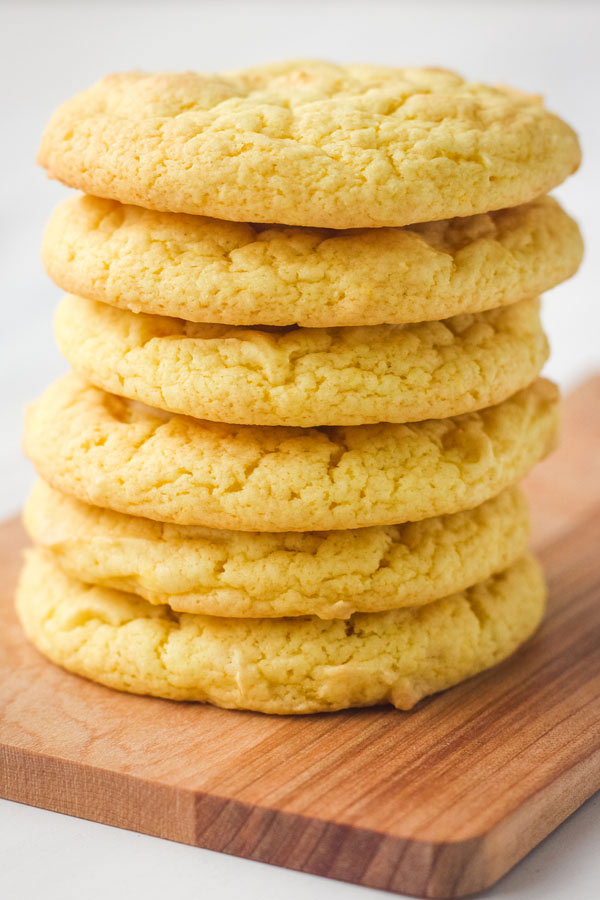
(50, 50)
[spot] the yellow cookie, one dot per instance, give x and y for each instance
(310, 143)
(111, 452)
(206, 270)
(277, 665)
(305, 376)
(330, 574)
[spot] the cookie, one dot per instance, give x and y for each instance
(309, 143)
(330, 574)
(206, 270)
(305, 376)
(280, 666)
(111, 452)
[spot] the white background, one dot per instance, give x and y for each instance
(48, 51)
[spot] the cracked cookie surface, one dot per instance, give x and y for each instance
(280, 666)
(116, 453)
(206, 270)
(327, 574)
(309, 143)
(305, 376)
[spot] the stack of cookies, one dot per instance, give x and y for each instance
(282, 475)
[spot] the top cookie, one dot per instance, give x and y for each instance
(309, 143)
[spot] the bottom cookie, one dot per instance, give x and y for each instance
(281, 666)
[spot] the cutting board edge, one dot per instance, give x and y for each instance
(219, 823)
(295, 841)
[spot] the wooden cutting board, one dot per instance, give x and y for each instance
(438, 802)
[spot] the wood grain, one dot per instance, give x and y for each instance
(438, 802)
